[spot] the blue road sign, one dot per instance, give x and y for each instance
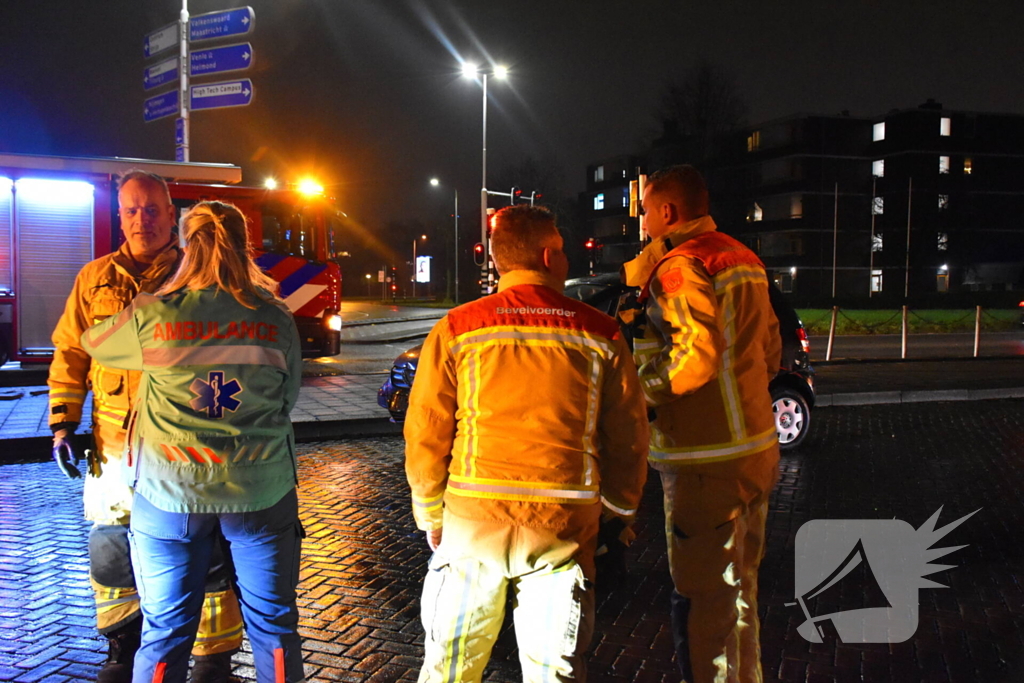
(160, 74)
(179, 153)
(160, 106)
(231, 22)
(219, 95)
(160, 40)
(179, 131)
(220, 59)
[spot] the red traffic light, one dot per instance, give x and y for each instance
(589, 244)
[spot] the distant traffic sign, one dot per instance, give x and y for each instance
(179, 131)
(179, 153)
(160, 106)
(220, 59)
(160, 40)
(232, 22)
(160, 73)
(219, 95)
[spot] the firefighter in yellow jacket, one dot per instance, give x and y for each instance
(706, 347)
(525, 422)
(103, 288)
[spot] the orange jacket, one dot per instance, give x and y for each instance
(709, 349)
(525, 410)
(103, 288)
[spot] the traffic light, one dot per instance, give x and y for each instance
(589, 244)
(478, 253)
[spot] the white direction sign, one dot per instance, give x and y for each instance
(160, 73)
(160, 40)
(220, 95)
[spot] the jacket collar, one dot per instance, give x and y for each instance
(161, 266)
(635, 273)
(514, 278)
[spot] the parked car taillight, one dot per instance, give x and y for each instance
(805, 343)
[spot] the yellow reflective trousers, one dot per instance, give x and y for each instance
(464, 597)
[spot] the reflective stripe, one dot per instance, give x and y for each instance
(499, 487)
(67, 396)
(458, 652)
(428, 503)
(627, 512)
(593, 400)
(214, 355)
(279, 665)
(756, 443)
(228, 634)
(738, 276)
(562, 337)
(111, 417)
(158, 672)
(727, 384)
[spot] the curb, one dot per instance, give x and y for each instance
(869, 398)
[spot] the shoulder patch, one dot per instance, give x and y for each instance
(671, 281)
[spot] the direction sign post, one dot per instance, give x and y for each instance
(221, 59)
(162, 39)
(160, 73)
(232, 22)
(220, 95)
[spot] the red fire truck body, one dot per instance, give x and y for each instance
(58, 213)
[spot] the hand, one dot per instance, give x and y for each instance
(434, 539)
(64, 454)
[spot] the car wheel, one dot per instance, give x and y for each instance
(792, 417)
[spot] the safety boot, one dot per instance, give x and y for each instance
(123, 643)
(213, 669)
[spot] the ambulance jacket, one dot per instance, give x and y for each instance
(525, 410)
(210, 430)
(709, 349)
(102, 288)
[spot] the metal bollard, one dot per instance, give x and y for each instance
(903, 353)
(977, 331)
(831, 333)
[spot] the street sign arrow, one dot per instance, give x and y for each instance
(220, 95)
(160, 106)
(231, 22)
(221, 59)
(160, 73)
(179, 131)
(160, 40)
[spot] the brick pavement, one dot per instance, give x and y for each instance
(363, 560)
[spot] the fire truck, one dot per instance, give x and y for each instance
(58, 213)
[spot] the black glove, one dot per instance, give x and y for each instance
(66, 457)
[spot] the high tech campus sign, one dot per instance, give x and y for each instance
(211, 61)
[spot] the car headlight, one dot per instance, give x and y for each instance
(333, 322)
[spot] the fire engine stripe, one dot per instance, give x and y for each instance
(300, 277)
(214, 355)
(268, 260)
(302, 296)
(212, 456)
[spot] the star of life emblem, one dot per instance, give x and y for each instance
(214, 394)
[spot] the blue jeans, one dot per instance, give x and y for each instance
(171, 551)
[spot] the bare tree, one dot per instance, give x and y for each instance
(702, 107)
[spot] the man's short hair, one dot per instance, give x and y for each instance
(520, 233)
(682, 182)
(143, 177)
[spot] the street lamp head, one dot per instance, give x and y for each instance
(423, 237)
(469, 69)
(501, 72)
(435, 182)
(270, 184)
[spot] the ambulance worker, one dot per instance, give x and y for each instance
(210, 446)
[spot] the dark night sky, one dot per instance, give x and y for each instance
(366, 93)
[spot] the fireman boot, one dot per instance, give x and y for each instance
(123, 644)
(213, 669)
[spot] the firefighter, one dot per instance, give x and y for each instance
(706, 348)
(525, 417)
(211, 446)
(103, 288)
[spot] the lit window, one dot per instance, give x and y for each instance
(943, 202)
(942, 241)
(625, 197)
(967, 166)
(944, 126)
(876, 242)
(755, 214)
(878, 168)
(878, 132)
(876, 280)
(599, 174)
(754, 141)
(599, 201)
(878, 206)
(796, 206)
(943, 165)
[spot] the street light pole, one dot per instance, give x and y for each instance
(485, 268)
(414, 269)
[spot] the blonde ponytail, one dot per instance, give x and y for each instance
(217, 253)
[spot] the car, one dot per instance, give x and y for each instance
(792, 389)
